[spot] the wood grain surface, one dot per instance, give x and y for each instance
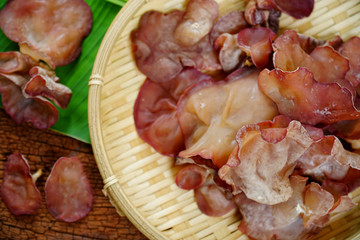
(42, 148)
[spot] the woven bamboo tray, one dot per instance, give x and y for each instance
(138, 181)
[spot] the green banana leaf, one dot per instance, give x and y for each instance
(73, 121)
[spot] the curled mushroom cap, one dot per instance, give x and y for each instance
(212, 198)
(18, 189)
(68, 192)
(197, 22)
(45, 83)
(299, 96)
(293, 50)
(160, 56)
(296, 9)
(27, 88)
(211, 113)
(155, 111)
(257, 43)
(266, 158)
(300, 217)
(13, 61)
(50, 30)
(191, 177)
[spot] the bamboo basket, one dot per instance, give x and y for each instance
(138, 181)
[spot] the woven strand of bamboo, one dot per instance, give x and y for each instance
(140, 182)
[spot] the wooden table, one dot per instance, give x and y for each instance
(42, 148)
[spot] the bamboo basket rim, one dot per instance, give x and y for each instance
(112, 188)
